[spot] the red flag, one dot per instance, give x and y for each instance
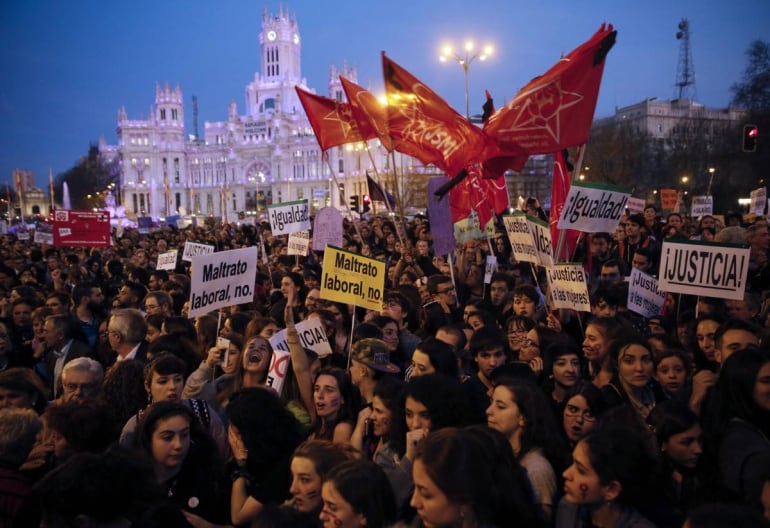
(559, 192)
(485, 196)
(370, 116)
(332, 121)
(555, 110)
(424, 126)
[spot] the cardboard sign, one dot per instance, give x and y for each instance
(541, 236)
(568, 287)
(644, 295)
(668, 199)
(701, 206)
(81, 228)
(351, 278)
(312, 335)
(704, 268)
(43, 237)
(517, 227)
(593, 208)
(193, 249)
(222, 279)
(279, 367)
(288, 217)
(636, 205)
(758, 201)
(327, 228)
(167, 260)
(299, 243)
(467, 229)
(440, 219)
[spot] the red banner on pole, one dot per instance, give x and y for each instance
(81, 228)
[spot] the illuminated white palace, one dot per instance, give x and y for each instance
(266, 155)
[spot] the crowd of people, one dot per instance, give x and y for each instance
(467, 401)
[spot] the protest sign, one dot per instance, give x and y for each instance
(644, 295)
(568, 287)
(144, 223)
(167, 260)
(279, 367)
(288, 217)
(312, 335)
(490, 268)
(222, 279)
(3, 227)
(299, 242)
(517, 227)
(351, 278)
(593, 208)
(43, 235)
(758, 201)
(81, 228)
(193, 249)
(467, 229)
(636, 205)
(704, 268)
(668, 199)
(440, 219)
(541, 236)
(702, 205)
(327, 228)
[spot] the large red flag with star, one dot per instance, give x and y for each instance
(555, 111)
(369, 114)
(485, 196)
(422, 125)
(332, 121)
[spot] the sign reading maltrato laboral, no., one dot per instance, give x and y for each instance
(593, 208)
(222, 279)
(351, 278)
(704, 268)
(289, 217)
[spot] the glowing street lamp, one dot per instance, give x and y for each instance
(465, 58)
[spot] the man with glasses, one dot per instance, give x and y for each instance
(62, 347)
(158, 302)
(442, 310)
(81, 379)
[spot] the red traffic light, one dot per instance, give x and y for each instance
(750, 135)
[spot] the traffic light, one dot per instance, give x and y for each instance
(354, 202)
(750, 133)
(367, 203)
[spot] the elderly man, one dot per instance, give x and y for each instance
(81, 379)
(127, 330)
(62, 347)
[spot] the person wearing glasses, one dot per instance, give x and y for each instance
(442, 309)
(584, 405)
(158, 302)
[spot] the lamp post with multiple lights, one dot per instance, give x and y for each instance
(465, 59)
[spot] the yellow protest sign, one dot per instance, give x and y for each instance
(351, 278)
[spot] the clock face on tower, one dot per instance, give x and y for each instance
(271, 35)
(296, 38)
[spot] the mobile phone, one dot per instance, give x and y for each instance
(223, 344)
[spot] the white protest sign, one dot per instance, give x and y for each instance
(299, 243)
(490, 268)
(701, 206)
(758, 200)
(312, 335)
(279, 367)
(167, 260)
(22, 234)
(704, 268)
(541, 236)
(193, 249)
(222, 279)
(568, 287)
(523, 246)
(593, 208)
(43, 237)
(644, 295)
(327, 228)
(468, 229)
(288, 217)
(636, 205)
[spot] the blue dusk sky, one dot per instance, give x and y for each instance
(66, 66)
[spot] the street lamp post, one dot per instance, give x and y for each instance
(712, 170)
(465, 60)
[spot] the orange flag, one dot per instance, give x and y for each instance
(332, 121)
(422, 125)
(555, 111)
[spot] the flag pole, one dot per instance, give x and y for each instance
(399, 202)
